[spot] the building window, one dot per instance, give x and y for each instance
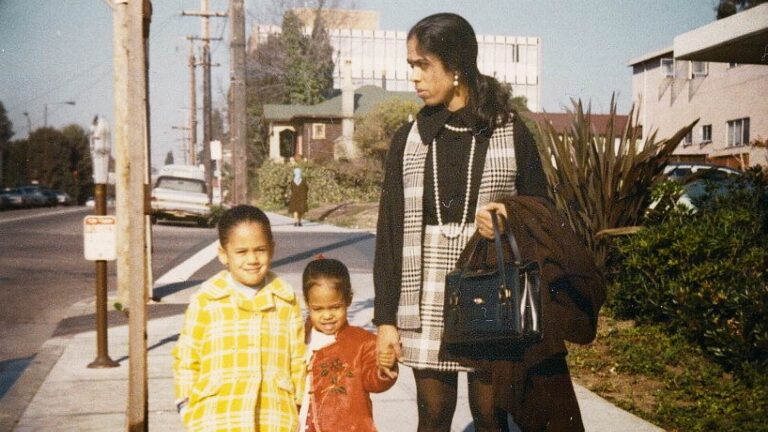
(732, 65)
(668, 67)
(688, 140)
(738, 132)
(699, 68)
(318, 130)
(706, 133)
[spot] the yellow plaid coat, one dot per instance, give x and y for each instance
(240, 361)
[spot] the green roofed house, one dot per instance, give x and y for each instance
(323, 131)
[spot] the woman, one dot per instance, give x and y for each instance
(445, 172)
(298, 201)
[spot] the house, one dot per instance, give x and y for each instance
(323, 131)
(717, 73)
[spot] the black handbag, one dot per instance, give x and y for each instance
(491, 312)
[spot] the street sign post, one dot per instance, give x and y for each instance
(100, 245)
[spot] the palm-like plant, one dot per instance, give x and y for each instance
(601, 180)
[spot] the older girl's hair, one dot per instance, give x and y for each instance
(451, 38)
(331, 270)
(242, 214)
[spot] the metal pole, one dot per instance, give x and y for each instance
(102, 348)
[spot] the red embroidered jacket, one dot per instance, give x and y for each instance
(344, 374)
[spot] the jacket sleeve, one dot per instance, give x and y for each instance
(187, 352)
(298, 350)
(387, 263)
(370, 371)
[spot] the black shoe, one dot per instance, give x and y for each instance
(300, 224)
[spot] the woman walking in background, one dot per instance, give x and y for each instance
(297, 205)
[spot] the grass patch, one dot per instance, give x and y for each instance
(668, 381)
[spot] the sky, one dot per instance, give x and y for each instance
(57, 51)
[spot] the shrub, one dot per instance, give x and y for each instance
(336, 182)
(704, 275)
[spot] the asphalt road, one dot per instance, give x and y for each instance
(43, 272)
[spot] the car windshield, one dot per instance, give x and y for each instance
(180, 184)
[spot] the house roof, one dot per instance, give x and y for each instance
(740, 38)
(366, 98)
(563, 122)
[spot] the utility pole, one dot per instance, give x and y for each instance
(193, 107)
(131, 26)
(206, 60)
(237, 91)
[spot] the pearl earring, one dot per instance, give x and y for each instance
(456, 79)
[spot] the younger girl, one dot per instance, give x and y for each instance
(239, 364)
(343, 364)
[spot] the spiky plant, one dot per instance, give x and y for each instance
(601, 180)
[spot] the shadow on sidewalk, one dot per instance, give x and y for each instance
(86, 323)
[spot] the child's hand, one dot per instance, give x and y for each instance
(387, 358)
(387, 364)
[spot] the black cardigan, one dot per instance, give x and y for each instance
(387, 268)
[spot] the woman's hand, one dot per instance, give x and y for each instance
(387, 348)
(483, 218)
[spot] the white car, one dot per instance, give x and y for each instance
(180, 193)
(698, 179)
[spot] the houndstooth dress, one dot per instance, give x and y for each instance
(428, 255)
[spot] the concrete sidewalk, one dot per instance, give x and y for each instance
(75, 398)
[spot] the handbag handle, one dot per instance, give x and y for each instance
(516, 257)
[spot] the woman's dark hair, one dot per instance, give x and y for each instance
(242, 214)
(452, 39)
(327, 269)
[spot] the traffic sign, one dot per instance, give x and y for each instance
(99, 238)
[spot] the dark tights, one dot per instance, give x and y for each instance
(436, 396)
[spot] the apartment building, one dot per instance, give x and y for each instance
(718, 74)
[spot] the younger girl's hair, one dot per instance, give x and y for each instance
(327, 269)
(451, 38)
(242, 214)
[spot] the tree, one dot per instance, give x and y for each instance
(169, 158)
(6, 132)
(374, 130)
(726, 8)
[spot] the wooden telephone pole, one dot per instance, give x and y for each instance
(131, 28)
(192, 107)
(237, 90)
(206, 60)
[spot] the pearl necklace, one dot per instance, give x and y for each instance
(469, 183)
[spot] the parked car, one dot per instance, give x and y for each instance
(12, 198)
(51, 199)
(32, 196)
(63, 198)
(699, 179)
(180, 193)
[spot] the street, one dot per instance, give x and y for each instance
(43, 272)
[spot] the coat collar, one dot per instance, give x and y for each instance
(219, 288)
(431, 119)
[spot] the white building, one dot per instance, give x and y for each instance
(378, 57)
(717, 73)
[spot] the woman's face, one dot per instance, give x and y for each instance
(433, 82)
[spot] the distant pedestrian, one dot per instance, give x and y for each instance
(343, 365)
(239, 364)
(297, 204)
